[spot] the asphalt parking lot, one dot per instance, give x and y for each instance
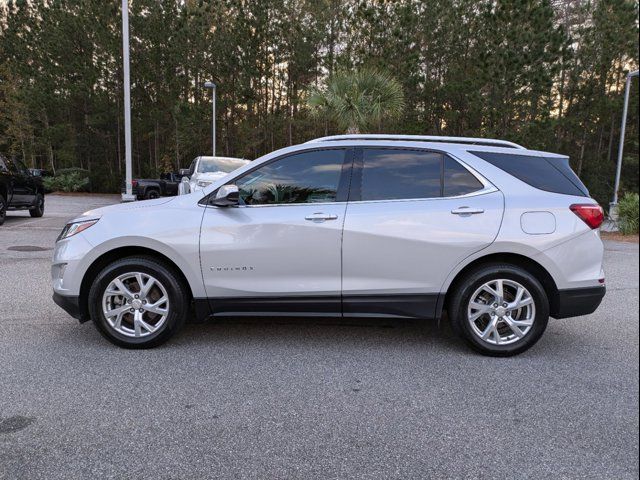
(306, 399)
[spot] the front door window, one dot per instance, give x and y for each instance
(307, 177)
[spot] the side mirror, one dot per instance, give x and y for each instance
(185, 172)
(227, 196)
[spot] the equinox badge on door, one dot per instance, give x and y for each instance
(231, 269)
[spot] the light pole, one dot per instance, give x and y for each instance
(212, 86)
(614, 202)
(128, 195)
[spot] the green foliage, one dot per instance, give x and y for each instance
(73, 180)
(358, 100)
(548, 74)
(629, 211)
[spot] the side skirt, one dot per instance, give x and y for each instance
(391, 305)
(422, 306)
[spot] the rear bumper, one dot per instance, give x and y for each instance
(578, 301)
(71, 305)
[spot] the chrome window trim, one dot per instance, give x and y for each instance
(287, 205)
(484, 191)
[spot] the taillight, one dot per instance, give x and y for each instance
(591, 214)
(134, 183)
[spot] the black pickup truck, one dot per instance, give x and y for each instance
(19, 189)
(148, 188)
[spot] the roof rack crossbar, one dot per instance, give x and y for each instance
(421, 138)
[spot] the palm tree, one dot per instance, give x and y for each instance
(358, 100)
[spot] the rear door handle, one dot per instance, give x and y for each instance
(465, 211)
(320, 217)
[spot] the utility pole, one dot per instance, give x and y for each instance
(128, 195)
(212, 86)
(613, 207)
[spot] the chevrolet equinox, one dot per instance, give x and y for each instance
(498, 236)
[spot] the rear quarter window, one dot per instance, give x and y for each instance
(551, 174)
(457, 180)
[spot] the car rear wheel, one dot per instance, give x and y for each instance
(138, 302)
(37, 210)
(3, 209)
(151, 194)
(500, 310)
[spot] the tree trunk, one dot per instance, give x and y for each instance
(610, 149)
(177, 146)
(581, 159)
(49, 146)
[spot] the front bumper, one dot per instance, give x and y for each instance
(577, 302)
(71, 305)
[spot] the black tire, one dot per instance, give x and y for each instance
(37, 210)
(458, 308)
(176, 290)
(3, 209)
(151, 194)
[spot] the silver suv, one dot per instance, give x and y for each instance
(498, 236)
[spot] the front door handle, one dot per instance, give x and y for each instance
(320, 217)
(466, 211)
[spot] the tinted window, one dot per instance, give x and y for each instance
(12, 166)
(549, 174)
(307, 177)
(22, 168)
(458, 180)
(390, 174)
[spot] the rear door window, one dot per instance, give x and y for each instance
(393, 174)
(405, 174)
(551, 174)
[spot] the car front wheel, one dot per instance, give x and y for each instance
(138, 302)
(500, 310)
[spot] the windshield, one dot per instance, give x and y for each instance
(214, 165)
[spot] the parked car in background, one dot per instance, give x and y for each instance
(499, 236)
(39, 172)
(19, 189)
(206, 170)
(150, 188)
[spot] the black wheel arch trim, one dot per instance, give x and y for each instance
(71, 305)
(576, 302)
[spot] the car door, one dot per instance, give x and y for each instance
(23, 192)
(279, 251)
(412, 216)
(31, 184)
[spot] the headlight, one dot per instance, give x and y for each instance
(70, 229)
(202, 183)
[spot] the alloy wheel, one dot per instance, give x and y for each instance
(135, 304)
(501, 312)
